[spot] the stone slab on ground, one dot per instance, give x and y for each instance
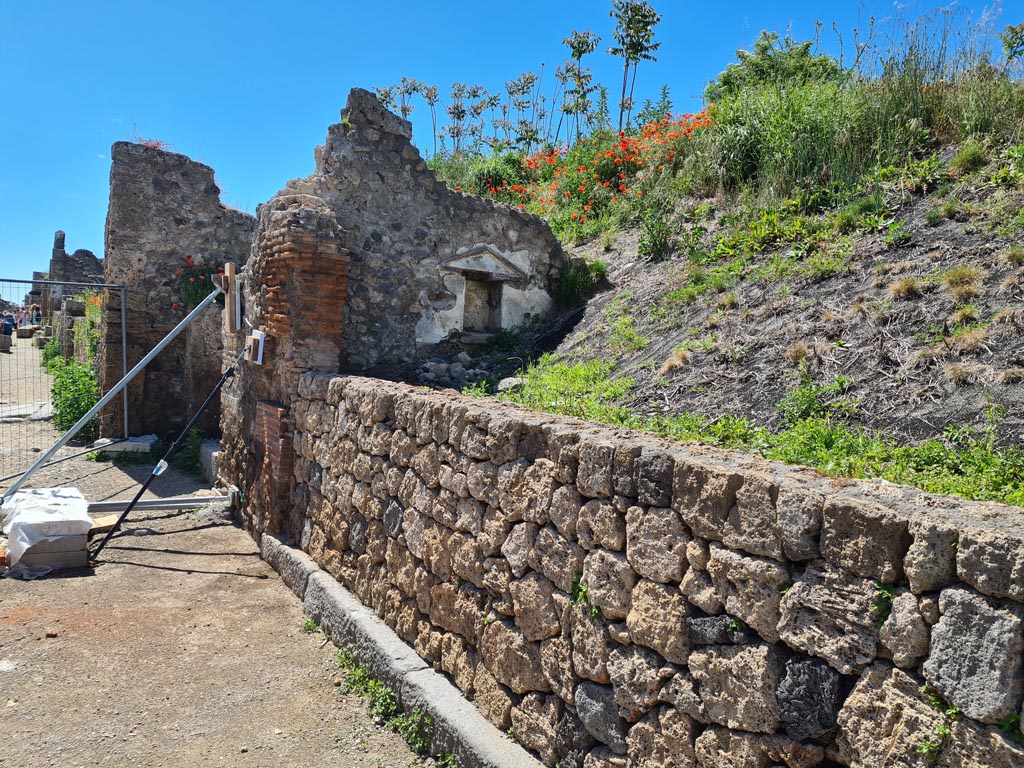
(143, 444)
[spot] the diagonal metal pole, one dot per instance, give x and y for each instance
(112, 393)
(162, 464)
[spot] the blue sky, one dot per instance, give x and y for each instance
(249, 88)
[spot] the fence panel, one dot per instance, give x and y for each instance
(48, 367)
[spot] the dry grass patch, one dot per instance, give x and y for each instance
(970, 342)
(1007, 317)
(1009, 285)
(964, 315)
(798, 350)
(962, 282)
(905, 288)
(678, 359)
(1014, 255)
(727, 300)
(1011, 376)
(960, 375)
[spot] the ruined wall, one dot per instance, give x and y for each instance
(610, 594)
(82, 266)
(163, 206)
(418, 249)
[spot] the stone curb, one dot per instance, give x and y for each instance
(459, 728)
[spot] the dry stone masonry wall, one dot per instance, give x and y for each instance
(619, 600)
(163, 206)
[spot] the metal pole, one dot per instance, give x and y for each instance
(113, 392)
(124, 350)
(162, 464)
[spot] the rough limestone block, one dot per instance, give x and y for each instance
(699, 590)
(808, 698)
(905, 633)
(536, 613)
(594, 476)
(703, 496)
(992, 560)
(602, 757)
(828, 614)
(294, 565)
(973, 746)
(930, 563)
(718, 630)
(591, 645)
(721, 748)
(600, 525)
(749, 587)
(681, 692)
(798, 515)
(536, 722)
(565, 510)
(752, 525)
(556, 662)
(884, 721)
(656, 542)
(511, 658)
(558, 559)
(624, 469)
(975, 660)
(737, 685)
(610, 581)
(491, 698)
(864, 538)
(637, 677)
(596, 707)
(663, 739)
(657, 619)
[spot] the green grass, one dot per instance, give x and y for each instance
(965, 462)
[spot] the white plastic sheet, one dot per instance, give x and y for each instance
(42, 514)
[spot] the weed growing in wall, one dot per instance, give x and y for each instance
(196, 282)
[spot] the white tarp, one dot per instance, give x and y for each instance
(42, 514)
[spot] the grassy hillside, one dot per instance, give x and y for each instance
(825, 265)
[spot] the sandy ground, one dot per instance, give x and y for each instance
(181, 648)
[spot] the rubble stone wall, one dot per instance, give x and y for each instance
(419, 250)
(616, 597)
(163, 206)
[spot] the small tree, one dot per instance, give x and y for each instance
(578, 102)
(634, 36)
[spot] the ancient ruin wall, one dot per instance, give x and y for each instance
(426, 262)
(611, 595)
(163, 206)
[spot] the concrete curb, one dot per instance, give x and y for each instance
(459, 728)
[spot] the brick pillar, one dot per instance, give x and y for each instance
(295, 290)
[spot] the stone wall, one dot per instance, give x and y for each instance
(425, 262)
(163, 206)
(612, 596)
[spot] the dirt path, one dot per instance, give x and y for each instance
(182, 648)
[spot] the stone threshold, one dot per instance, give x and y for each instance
(459, 728)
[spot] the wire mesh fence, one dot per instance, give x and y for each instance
(50, 334)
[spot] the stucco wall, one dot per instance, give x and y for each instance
(612, 596)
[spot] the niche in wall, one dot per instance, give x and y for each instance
(485, 274)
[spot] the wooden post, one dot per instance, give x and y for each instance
(232, 300)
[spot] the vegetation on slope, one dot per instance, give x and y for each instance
(872, 206)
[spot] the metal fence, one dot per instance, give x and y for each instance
(57, 333)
